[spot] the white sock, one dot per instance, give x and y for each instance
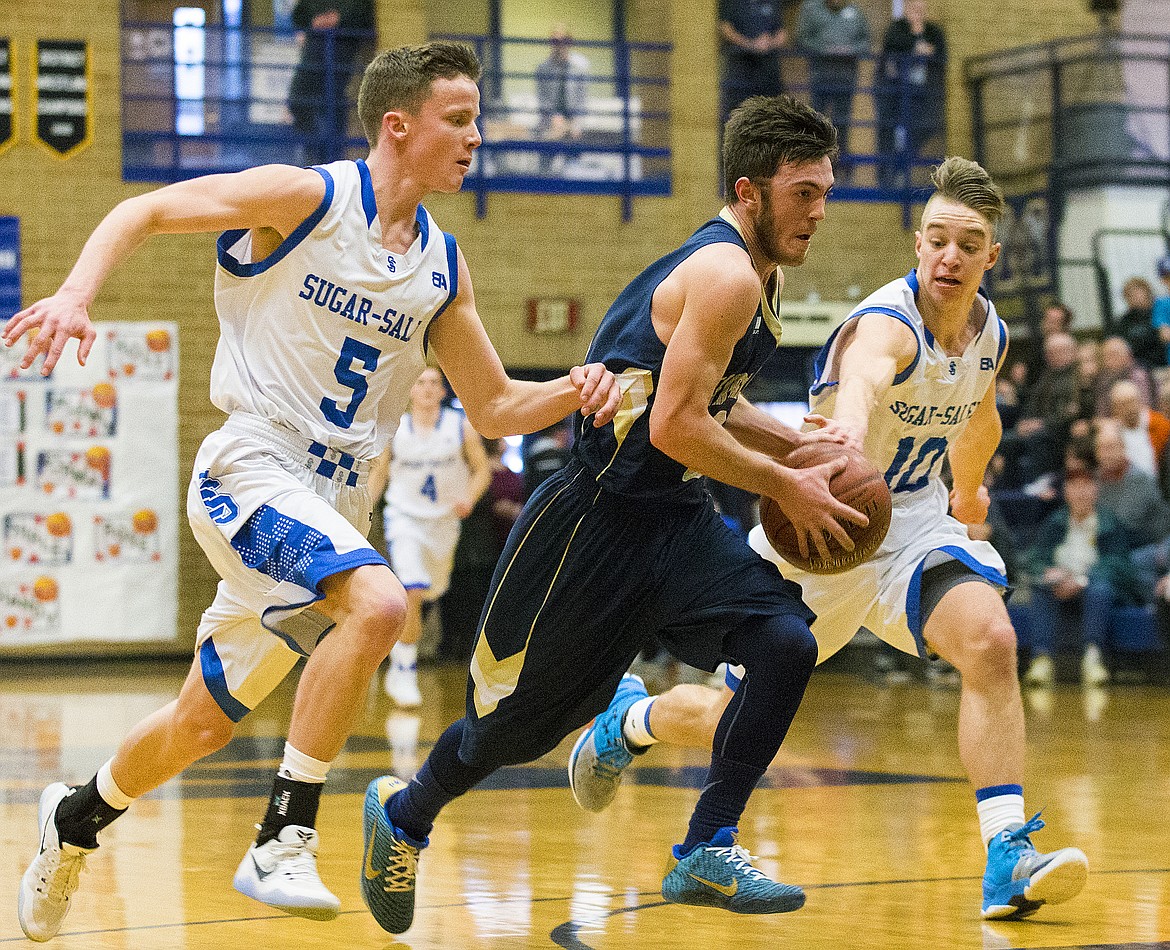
(996, 813)
(636, 724)
(302, 768)
(109, 791)
(404, 655)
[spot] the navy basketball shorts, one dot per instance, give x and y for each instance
(587, 577)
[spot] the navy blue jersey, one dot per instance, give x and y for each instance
(620, 455)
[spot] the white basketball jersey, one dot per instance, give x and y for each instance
(327, 334)
(930, 401)
(428, 471)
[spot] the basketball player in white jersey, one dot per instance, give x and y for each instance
(908, 377)
(333, 284)
(437, 470)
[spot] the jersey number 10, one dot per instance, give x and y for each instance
(900, 476)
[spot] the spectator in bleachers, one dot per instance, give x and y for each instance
(1161, 317)
(316, 94)
(909, 89)
(1137, 323)
(1144, 430)
(1081, 570)
(1117, 364)
(834, 33)
(1088, 374)
(1049, 408)
(1056, 317)
(561, 92)
(751, 34)
(1129, 494)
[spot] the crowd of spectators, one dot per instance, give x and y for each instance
(1081, 483)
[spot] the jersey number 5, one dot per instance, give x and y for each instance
(352, 351)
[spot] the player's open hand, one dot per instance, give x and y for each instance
(970, 508)
(830, 430)
(815, 514)
(52, 322)
(599, 392)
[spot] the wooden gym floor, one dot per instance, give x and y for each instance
(866, 808)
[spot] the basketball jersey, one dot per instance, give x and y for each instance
(620, 454)
(929, 403)
(428, 470)
(327, 334)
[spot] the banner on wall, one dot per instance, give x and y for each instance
(7, 101)
(9, 267)
(89, 492)
(62, 91)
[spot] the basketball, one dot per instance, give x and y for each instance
(859, 485)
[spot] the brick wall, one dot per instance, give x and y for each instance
(527, 245)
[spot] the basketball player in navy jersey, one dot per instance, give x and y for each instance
(624, 542)
(332, 284)
(910, 378)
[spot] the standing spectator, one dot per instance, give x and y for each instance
(1082, 568)
(1117, 364)
(1056, 317)
(1136, 325)
(834, 33)
(752, 33)
(316, 94)
(561, 93)
(1161, 318)
(1144, 430)
(1088, 375)
(911, 79)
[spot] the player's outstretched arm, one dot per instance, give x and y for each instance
(497, 405)
(877, 348)
(275, 196)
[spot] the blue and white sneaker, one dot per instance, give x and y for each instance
(720, 874)
(601, 753)
(1019, 879)
(391, 860)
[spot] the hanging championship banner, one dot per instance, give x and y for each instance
(9, 267)
(7, 110)
(61, 90)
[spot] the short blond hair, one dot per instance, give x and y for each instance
(968, 183)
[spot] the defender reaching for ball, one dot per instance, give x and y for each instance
(624, 543)
(909, 376)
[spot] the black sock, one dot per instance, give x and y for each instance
(83, 814)
(291, 803)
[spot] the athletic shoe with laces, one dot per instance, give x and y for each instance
(402, 685)
(282, 873)
(719, 873)
(1019, 879)
(53, 876)
(601, 753)
(391, 862)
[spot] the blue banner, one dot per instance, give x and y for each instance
(9, 267)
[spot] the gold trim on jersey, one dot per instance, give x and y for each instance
(637, 386)
(769, 303)
(495, 679)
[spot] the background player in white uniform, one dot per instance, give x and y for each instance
(332, 283)
(437, 470)
(909, 377)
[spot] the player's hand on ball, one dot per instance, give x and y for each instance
(815, 514)
(830, 430)
(970, 508)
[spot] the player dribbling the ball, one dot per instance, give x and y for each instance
(910, 377)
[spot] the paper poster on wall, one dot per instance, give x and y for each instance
(89, 507)
(7, 102)
(62, 91)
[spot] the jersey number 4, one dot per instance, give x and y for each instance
(352, 351)
(429, 489)
(907, 463)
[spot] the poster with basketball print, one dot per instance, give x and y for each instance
(89, 485)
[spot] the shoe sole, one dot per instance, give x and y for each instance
(577, 747)
(1058, 881)
(242, 883)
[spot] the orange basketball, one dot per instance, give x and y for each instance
(858, 485)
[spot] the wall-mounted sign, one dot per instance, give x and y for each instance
(552, 315)
(61, 90)
(7, 110)
(9, 267)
